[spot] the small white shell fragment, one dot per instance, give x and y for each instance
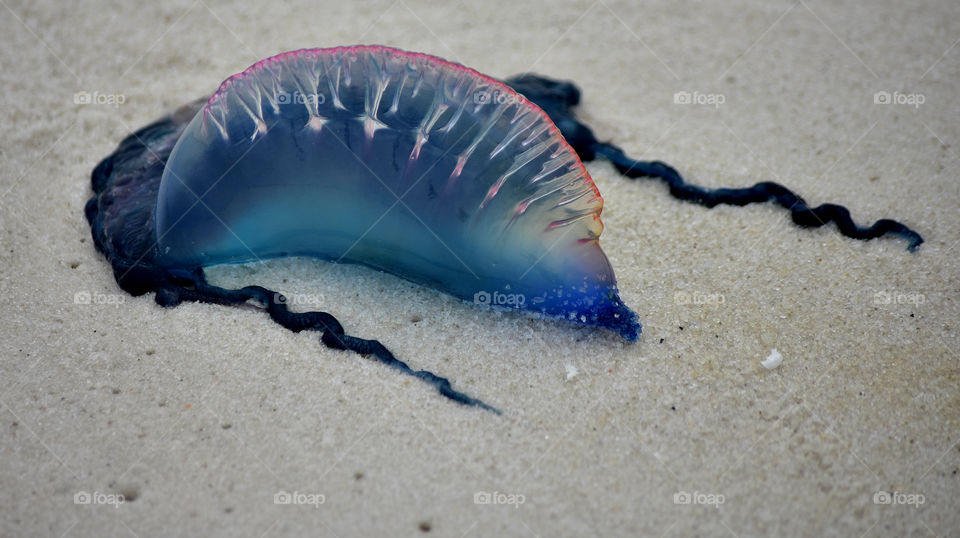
(773, 359)
(571, 372)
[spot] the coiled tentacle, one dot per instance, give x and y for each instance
(558, 98)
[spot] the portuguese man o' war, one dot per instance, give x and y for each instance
(399, 161)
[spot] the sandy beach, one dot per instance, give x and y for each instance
(122, 418)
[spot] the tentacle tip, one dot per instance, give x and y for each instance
(474, 402)
(487, 407)
(463, 399)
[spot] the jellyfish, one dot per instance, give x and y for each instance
(399, 161)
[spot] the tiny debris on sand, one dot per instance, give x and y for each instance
(773, 359)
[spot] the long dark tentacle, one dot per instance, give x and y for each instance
(558, 98)
(195, 288)
(121, 216)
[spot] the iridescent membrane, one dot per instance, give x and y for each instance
(398, 161)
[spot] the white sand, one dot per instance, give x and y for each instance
(204, 413)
